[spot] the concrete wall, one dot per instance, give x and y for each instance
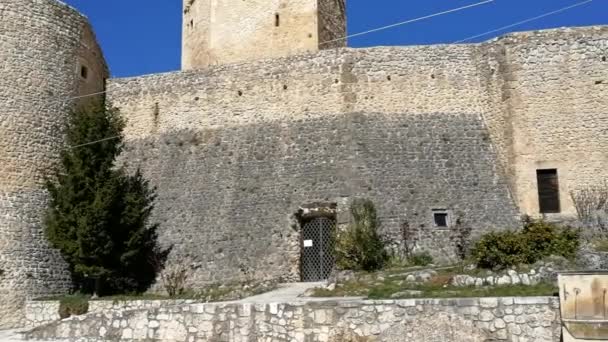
(222, 31)
(415, 320)
(43, 46)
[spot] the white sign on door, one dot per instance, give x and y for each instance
(307, 243)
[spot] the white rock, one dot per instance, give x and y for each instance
(127, 333)
(486, 316)
(488, 302)
(504, 280)
(499, 323)
(525, 280)
(501, 334)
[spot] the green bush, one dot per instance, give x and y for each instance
(360, 247)
(547, 239)
(73, 306)
(500, 249)
(537, 240)
(420, 259)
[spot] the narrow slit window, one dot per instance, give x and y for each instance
(277, 20)
(548, 191)
(84, 72)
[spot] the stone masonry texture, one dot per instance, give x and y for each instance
(224, 31)
(43, 45)
(430, 320)
(236, 150)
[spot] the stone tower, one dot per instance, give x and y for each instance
(49, 56)
(228, 31)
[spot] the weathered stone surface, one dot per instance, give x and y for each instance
(214, 33)
(247, 145)
(43, 46)
(237, 150)
(431, 320)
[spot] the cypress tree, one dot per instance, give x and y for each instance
(98, 216)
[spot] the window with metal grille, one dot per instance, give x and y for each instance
(548, 191)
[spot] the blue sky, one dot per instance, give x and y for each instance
(144, 36)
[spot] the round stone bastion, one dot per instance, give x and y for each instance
(48, 57)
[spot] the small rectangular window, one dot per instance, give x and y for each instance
(277, 20)
(548, 191)
(441, 218)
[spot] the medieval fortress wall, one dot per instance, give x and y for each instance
(237, 150)
(555, 91)
(224, 31)
(43, 45)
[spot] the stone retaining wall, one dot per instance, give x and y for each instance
(43, 312)
(429, 320)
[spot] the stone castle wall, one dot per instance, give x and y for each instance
(43, 45)
(555, 105)
(236, 150)
(221, 31)
(412, 320)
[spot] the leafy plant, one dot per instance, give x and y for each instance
(98, 215)
(359, 246)
(537, 240)
(500, 250)
(420, 259)
(545, 239)
(73, 305)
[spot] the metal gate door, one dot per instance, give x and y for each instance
(317, 245)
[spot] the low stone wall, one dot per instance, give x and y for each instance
(429, 320)
(43, 312)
